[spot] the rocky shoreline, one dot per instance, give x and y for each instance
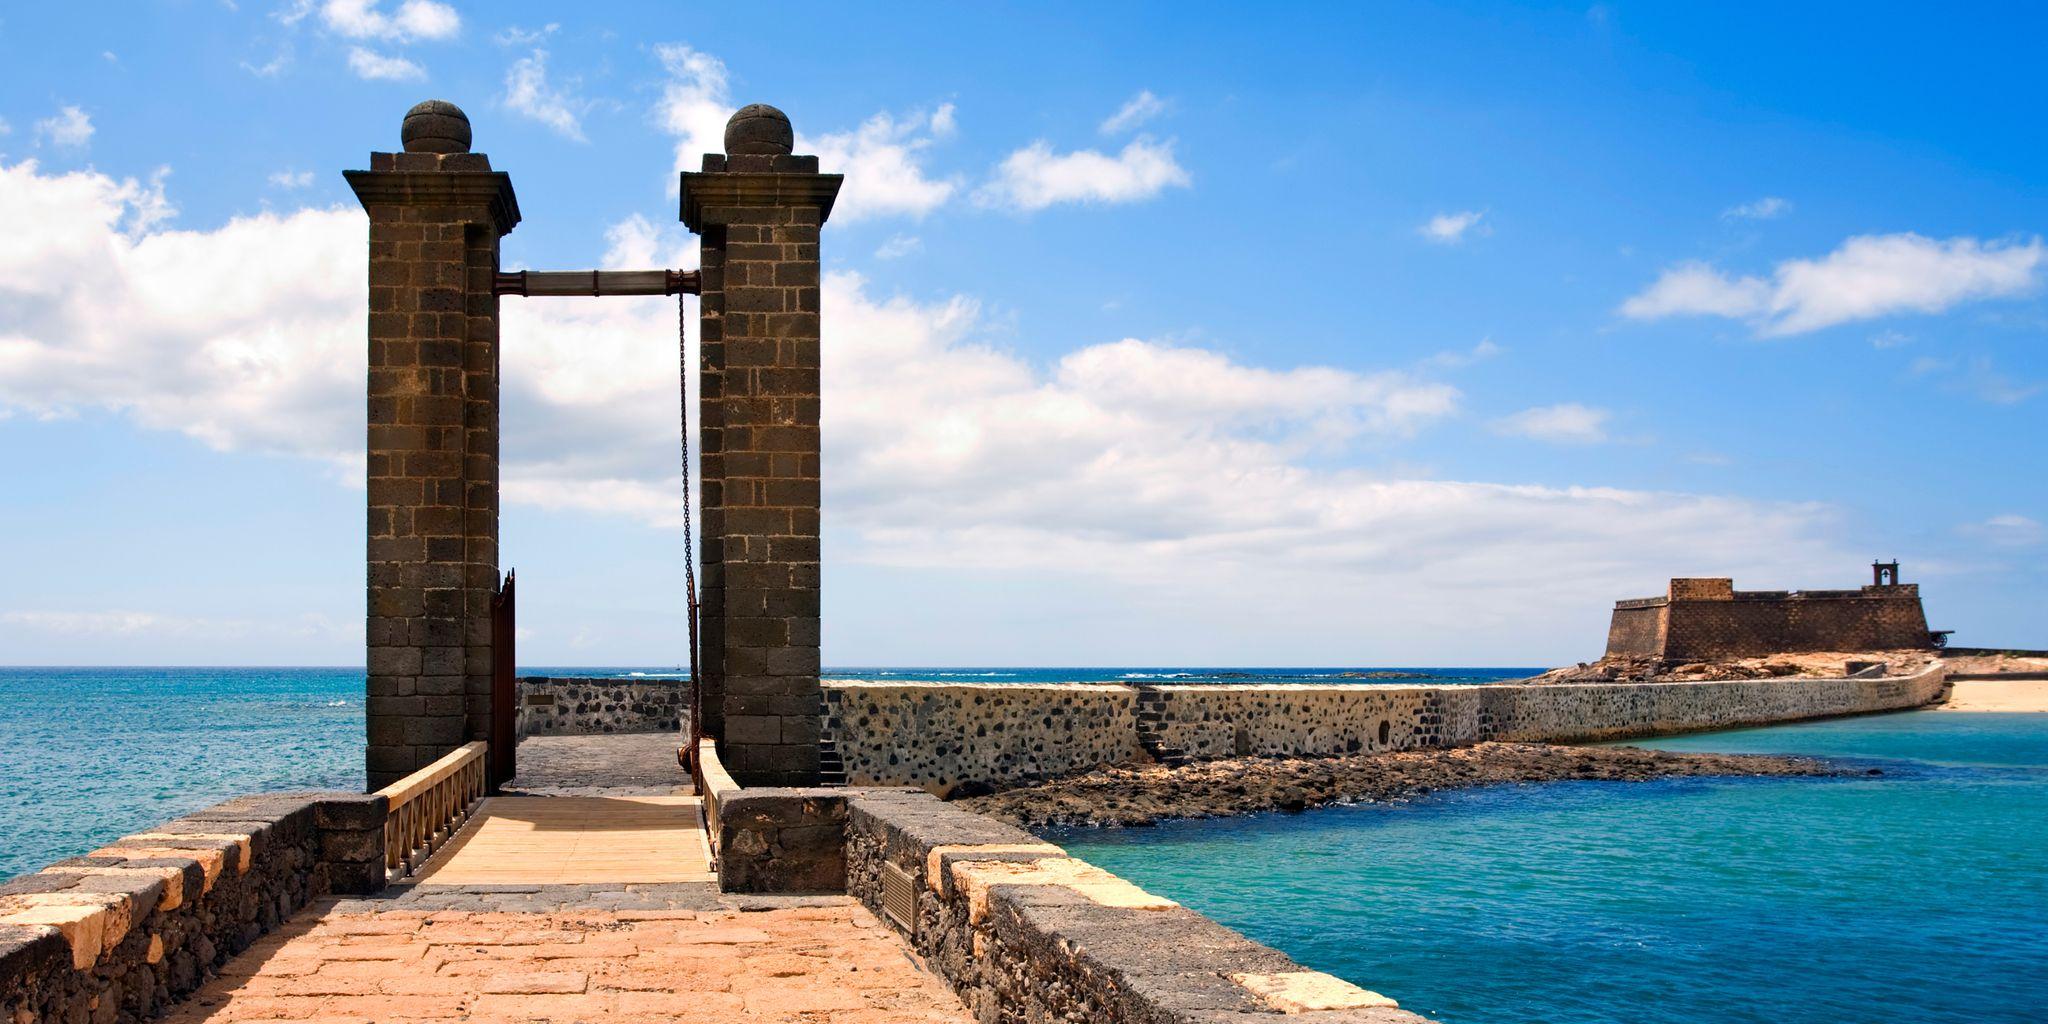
(1800, 664)
(1136, 795)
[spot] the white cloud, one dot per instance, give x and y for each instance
(148, 206)
(205, 333)
(1035, 177)
(291, 179)
(274, 66)
(1453, 360)
(5, 128)
(883, 161)
(1890, 339)
(377, 67)
(1188, 490)
(117, 625)
(1975, 376)
(1451, 228)
(1697, 288)
(1565, 423)
(1868, 276)
(898, 246)
(529, 94)
(637, 243)
(414, 19)
(1192, 478)
(2010, 530)
(1767, 208)
(694, 103)
(514, 35)
(70, 127)
(1136, 111)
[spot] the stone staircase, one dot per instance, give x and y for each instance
(831, 767)
(1151, 714)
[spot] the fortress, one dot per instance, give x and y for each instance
(1702, 618)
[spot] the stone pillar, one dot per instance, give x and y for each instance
(436, 214)
(759, 210)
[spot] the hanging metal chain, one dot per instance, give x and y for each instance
(689, 527)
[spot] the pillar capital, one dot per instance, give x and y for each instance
(756, 171)
(714, 195)
(437, 169)
(448, 180)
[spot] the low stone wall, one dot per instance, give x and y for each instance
(923, 734)
(116, 935)
(772, 839)
(568, 706)
(942, 737)
(1025, 933)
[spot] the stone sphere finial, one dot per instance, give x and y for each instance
(759, 130)
(436, 126)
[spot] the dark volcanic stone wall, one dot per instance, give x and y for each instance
(550, 706)
(772, 839)
(941, 736)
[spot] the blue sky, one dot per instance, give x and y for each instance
(1401, 334)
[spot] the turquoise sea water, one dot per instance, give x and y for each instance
(90, 754)
(87, 755)
(1919, 895)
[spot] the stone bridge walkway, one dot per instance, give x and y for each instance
(587, 898)
(831, 962)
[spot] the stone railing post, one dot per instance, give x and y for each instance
(759, 210)
(436, 212)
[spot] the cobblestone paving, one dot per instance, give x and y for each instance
(818, 961)
(612, 764)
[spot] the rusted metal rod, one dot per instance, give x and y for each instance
(597, 282)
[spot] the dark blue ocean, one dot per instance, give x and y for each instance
(90, 754)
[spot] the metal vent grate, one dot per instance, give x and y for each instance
(899, 897)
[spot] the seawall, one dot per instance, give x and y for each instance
(944, 735)
(575, 706)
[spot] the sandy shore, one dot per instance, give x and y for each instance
(1997, 695)
(1128, 795)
